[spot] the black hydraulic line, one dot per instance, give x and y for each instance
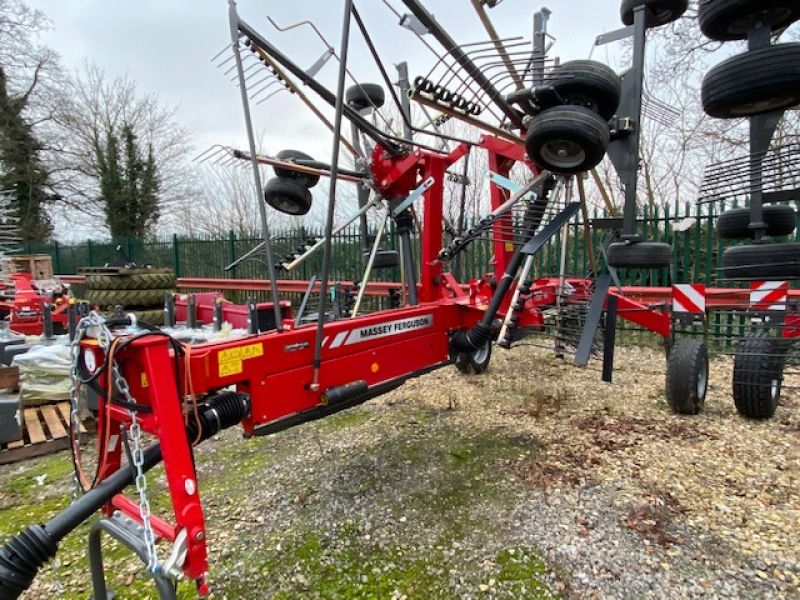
(340, 107)
(471, 340)
(363, 124)
(428, 20)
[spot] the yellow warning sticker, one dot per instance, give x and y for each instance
(231, 360)
(144, 382)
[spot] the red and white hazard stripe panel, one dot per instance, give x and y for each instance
(689, 298)
(769, 295)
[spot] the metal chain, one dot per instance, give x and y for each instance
(74, 417)
(104, 338)
(135, 433)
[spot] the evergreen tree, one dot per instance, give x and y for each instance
(21, 169)
(128, 185)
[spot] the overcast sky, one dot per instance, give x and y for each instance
(166, 48)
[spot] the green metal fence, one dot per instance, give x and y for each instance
(697, 251)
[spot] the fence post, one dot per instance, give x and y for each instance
(176, 256)
(232, 251)
(57, 258)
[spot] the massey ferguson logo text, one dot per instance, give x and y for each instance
(372, 332)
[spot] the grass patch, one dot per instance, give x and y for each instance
(521, 572)
(344, 420)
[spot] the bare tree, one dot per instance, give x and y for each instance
(92, 106)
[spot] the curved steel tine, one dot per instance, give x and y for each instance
(271, 95)
(502, 75)
(267, 77)
(261, 92)
(244, 58)
(481, 49)
(221, 64)
(254, 95)
(477, 57)
(221, 52)
(478, 47)
(481, 97)
(493, 55)
(209, 152)
(249, 68)
(440, 58)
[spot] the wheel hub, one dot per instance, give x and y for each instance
(285, 205)
(563, 153)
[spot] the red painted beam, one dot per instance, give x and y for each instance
(716, 298)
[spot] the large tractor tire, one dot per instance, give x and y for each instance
(289, 196)
(135, 281)
(587, 83)
(758, 375)
(734, 224)
(128, 298)
(729, 20)
(753, 83)
(153, 316)
(762, 261)
(639, 255)
(661, 12)
(305, 179)
(568, 139)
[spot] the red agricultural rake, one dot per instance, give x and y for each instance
(553, 121)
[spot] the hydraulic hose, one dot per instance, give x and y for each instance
(474, 338)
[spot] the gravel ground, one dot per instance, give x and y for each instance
(534, 480)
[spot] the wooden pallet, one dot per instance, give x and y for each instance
(46, 430)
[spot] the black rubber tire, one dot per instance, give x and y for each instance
(762, 261)
(364, 95)
(588, 83)
(735, 224)
(687, 377)
(128, 298)
(304, 179)
(572, 129)
(475, 362)
(662, 12)
(384, 259)
(728, 20)
(753, 83)
(138, 281)
(287, 196)
(758, 375)
(639, 255)
(153, 316)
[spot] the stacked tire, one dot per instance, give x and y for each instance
(759, 84)
(289, 191)
(571, 134)
(764, 80)
(138, 291)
